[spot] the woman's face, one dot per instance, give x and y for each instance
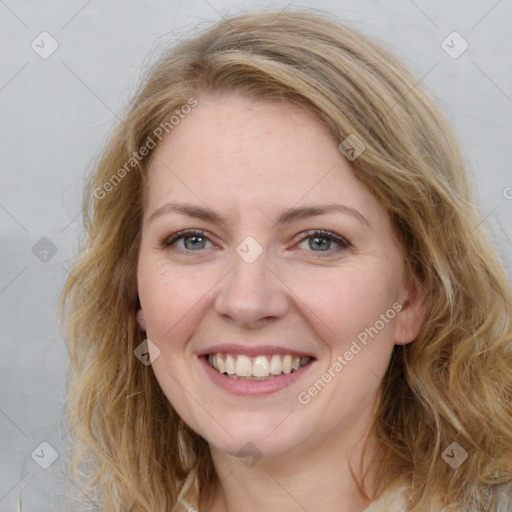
(304, 322)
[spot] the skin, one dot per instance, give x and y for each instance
(248, 160)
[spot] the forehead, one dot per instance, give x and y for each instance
(237, 151)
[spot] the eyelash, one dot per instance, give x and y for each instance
(344, 244)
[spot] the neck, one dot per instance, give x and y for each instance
(311, 478)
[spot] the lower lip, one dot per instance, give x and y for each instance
(253, 387)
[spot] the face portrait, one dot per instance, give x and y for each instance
(265, 265)
(286, 296)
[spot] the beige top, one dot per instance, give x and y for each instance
(394, 500)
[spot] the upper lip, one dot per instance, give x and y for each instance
(253, 350)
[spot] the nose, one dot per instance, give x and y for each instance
(251, 295)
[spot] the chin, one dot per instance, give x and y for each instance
(259, 439)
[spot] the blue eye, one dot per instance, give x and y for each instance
(193, 240)
(322, 241)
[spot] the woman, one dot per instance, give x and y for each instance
(286, 300)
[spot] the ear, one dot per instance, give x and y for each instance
(412, 313)
(141, 319)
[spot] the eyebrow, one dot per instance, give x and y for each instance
(285, 217)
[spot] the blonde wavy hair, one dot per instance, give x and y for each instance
(131, 451)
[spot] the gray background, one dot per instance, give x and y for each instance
(56, 113)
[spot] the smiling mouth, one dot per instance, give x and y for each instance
(263, 367)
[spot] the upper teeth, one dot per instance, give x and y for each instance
(260, 366)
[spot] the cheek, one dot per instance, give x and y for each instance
(347, 301)
(168, 296)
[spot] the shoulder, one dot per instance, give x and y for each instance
(504, 498)
(395, 500)
(392, 500)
